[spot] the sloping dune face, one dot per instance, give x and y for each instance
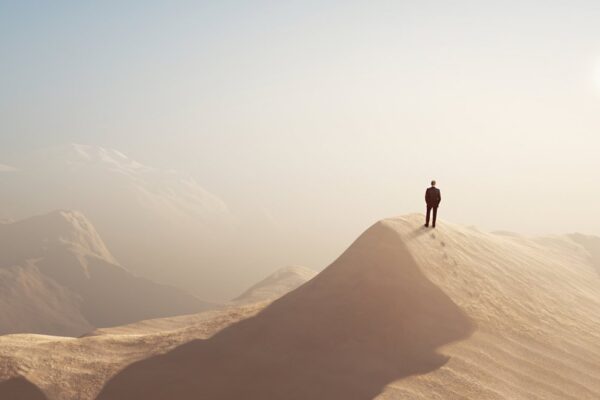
(536, 304)
(277, 284)
(404, 313)
(20, 389)
(370, 318)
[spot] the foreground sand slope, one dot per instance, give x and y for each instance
(404, 313)
(536, 303)
(370, 318)
(77, 369)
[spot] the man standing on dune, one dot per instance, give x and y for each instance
(433, 197)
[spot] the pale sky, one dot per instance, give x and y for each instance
(326, 115)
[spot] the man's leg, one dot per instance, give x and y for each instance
(434, 215)
(427, 218)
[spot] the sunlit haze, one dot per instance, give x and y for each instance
(310, 121)
(341, 200)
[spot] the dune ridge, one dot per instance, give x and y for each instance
(362, 323)
(535, 301)
(149, 217)
(404, 313)
(277, 284)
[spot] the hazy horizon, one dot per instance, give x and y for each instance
(225, 200)
(314, 120)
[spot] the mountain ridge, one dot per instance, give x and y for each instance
(149, 217)
(78, 283)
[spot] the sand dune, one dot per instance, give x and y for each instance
(404, 313)
(535, 302)
(277, 284)
(77, 369)
(282, 281)
(592, 245)
(361, 324)
(58, 277)
(20, 389)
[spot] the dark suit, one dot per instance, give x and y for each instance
(433, 197)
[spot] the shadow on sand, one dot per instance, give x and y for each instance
(20, 388)
(369, 319)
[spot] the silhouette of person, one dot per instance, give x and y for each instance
(433, 197)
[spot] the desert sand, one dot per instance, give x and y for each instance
(404, 313)
(277, 284)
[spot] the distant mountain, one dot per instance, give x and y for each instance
(277, 284)
(160, 223)
(58, 277)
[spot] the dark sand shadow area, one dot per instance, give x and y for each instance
(369, 319)
(20, 388)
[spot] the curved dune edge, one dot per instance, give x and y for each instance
(370, 318)
(533, 302)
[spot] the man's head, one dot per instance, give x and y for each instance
(432, 183)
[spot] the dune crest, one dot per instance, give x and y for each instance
(370, 318)
(404, 313)
(277, 284)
